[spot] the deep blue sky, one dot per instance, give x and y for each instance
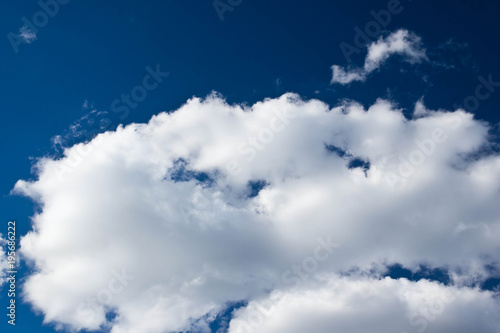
(98, 50)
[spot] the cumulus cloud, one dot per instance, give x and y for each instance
(350, 305)
(166, 223)
(401, 42)
(28, 35)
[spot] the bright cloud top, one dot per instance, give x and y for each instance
(401, 42)
(166, 223)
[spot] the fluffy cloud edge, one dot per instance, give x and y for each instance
(342, 304)
(135, 165)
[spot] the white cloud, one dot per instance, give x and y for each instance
(112, 204)
(340, 75)
(351, 305)
(4, 265)
(28, 35)
(401, 42)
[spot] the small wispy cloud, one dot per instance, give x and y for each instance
(28, 35)
(83, 128)
(88, 105)
(401, 42)
(4, 266)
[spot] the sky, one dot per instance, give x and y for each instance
(181, 158)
